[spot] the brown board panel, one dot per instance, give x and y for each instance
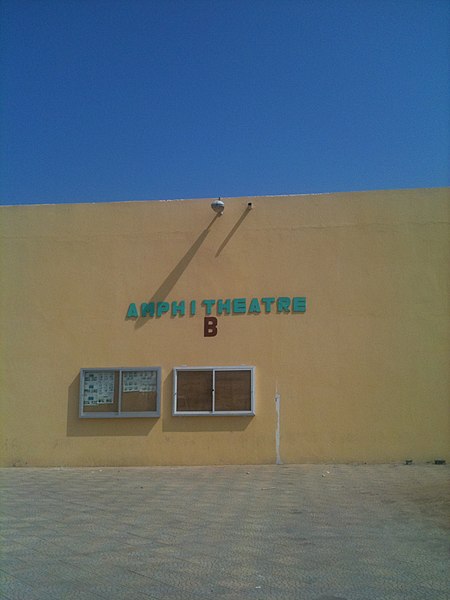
(138, 401)
(194, 390)
(233, 390)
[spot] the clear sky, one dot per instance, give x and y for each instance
(108, 100)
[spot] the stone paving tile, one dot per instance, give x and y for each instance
(67, 589)
(123, 583)
(12, 588)
(313, 532)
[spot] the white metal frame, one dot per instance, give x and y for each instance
(119, 414)
(213, 412)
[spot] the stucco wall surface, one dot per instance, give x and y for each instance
(362, 375)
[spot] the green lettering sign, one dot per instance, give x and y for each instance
(132, 312)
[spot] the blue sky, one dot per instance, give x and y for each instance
(112, 100)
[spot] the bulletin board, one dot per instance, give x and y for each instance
(206, 391)
(120, 392)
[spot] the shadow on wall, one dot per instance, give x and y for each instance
(169, 282)
(195, 423)
(142, 426)
(233, 231)
(77, 427)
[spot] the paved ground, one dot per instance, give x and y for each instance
(259, 532)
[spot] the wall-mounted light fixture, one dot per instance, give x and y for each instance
(218, 206)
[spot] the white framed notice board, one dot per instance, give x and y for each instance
(120, 392)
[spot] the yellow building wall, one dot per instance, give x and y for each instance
(361, 376)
